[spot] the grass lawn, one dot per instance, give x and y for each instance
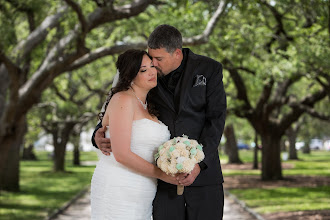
(43, 191)
(286, 198)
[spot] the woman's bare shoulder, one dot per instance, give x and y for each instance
(120, 103)
(122, 98)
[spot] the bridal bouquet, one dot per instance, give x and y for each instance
(179, 155)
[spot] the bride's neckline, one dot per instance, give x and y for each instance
(147, 120)
(134, 121)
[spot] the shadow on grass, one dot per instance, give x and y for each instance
(26, 207)
(20, 216)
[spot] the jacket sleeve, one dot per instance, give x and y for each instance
(99, 125)
(215, 114)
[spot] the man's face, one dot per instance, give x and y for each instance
(164, 61)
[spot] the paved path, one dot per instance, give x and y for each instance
(233, 211)
(81, 210)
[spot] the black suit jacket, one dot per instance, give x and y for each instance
(201, 111)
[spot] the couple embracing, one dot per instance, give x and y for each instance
(165, 93)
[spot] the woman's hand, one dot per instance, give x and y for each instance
(186, 179)
(168, 178)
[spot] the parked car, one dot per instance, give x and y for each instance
(316, 144)
(241, 146)
(300, 145)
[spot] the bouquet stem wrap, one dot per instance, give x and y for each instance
(180, 190)
(179, 155)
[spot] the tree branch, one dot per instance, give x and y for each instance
(39, 34)
(12, 68)
(46, 127)
(203, 38)
(104, 51)
(326, 86)
(246, 70)
(108, 3)
(58, 93)
(56, 62)
(81, 17)
(265, 94)
(98, 3)
(240, 86)
(309, 110)
(31, 20)
(279, 28)
(51, 105)
(47, 64)
(92, 91)
(280, 98)
(107, 14)
(27, 60)
(80, 14)
(297, 110)
(98, 91)
(28, 94)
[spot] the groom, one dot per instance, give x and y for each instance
(191, 100)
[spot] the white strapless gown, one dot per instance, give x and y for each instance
(120, 193)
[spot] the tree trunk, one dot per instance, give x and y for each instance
(292, 136)
(76, 156)
(9, 165)
(231, 145)
(76, 152)
(255, 155)
(61, 133)
(28, 153)
(306, 149)
(59, 157)
(271, 157)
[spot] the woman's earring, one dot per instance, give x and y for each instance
(132, 83)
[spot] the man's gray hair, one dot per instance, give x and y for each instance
(165, 36)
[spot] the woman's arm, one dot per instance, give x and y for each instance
(121, 118)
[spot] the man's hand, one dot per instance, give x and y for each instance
(103, 143)
(187, 179)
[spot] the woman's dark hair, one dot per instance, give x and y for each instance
(128, 64)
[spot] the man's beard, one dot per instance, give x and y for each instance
(159, 72)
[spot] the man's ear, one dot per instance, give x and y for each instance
(178, 53)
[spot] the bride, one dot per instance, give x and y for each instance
(124, 183)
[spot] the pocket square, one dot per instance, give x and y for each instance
(199, 80)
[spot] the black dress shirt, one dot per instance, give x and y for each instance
(171, 80)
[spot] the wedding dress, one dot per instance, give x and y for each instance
(118, 192)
